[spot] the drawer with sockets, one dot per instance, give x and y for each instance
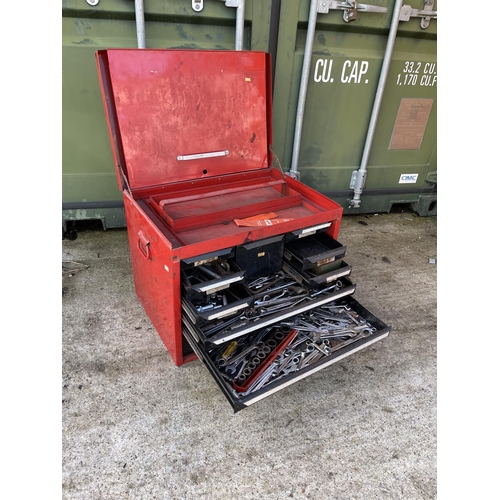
(259, 363)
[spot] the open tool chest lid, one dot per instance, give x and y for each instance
(179, 115)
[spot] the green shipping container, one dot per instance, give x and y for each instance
(326, 74)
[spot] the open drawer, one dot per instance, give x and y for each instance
(266, 360)
(221, 327)
(314, 251)
(316, 277)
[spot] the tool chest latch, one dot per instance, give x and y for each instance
(426, 14)
(350, 8)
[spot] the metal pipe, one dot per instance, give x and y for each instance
(139, 22)
(359, 176)
(240, 23)
(304, 80)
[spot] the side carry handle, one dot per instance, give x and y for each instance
(143, 245)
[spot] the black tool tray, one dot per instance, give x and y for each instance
(313, 251)
(318, 276)
(237, 300)
(199, 260)
(262, 257)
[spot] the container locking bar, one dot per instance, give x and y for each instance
(240, 21)
(426, 14)
(350, 8)
(358, 177)
(197, 6)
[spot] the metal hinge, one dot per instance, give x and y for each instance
(426, 14)
(233, 3)
(350, 8)
(197, 5)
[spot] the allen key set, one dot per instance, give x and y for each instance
(235, 263)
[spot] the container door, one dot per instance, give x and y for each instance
(344, 74)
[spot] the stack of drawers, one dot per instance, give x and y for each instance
(264, 315)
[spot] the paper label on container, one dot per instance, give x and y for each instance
(411, 123)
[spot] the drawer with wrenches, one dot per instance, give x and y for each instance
(284, 297)
(259, 363)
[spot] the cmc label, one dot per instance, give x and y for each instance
(408, 178)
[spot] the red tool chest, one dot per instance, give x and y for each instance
(234, 262)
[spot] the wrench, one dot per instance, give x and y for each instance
(323, 348)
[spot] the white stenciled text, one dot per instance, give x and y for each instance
(416, 73)
(353, 71)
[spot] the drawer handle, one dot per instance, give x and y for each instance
(144, 246)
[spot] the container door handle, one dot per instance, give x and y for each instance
(143, 245)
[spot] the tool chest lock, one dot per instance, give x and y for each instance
(234, 262)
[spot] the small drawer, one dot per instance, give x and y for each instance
(260, 258)
(313, 251)
(209, 278)
(199, 260)
(307, 231)
(209, 309)
(319, 276)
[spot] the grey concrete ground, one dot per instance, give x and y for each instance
(135, 426)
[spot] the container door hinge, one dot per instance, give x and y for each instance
(426, 14)
(197, 5)
(350, 8)
(354, 179)
(234, 3)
